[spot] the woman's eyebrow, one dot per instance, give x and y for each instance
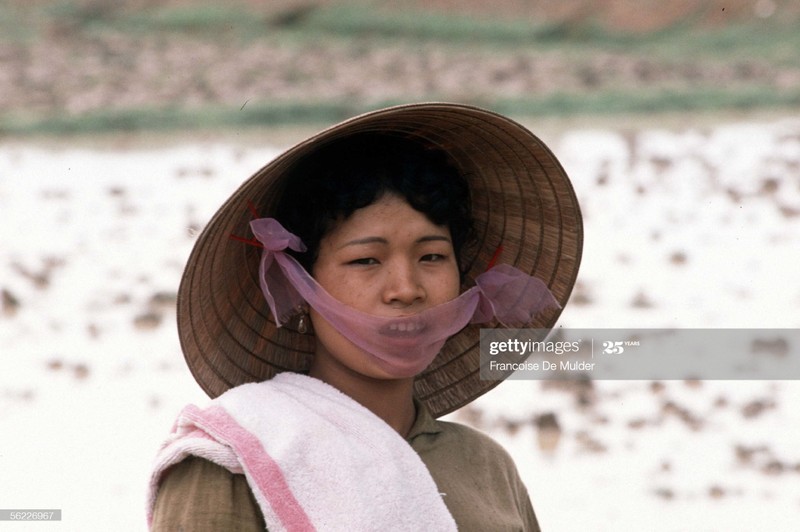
(433, 238)
(365, 240)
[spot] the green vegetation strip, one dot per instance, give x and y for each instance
(254, 115)
(175, 119)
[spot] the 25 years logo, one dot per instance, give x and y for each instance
(617, 347)
(613, 348)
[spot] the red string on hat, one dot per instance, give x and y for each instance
(494, 258)
(250, 241)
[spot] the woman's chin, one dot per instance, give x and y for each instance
(401, 369)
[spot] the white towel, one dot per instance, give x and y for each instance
(314, 458)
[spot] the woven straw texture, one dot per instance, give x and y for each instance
(522, 201)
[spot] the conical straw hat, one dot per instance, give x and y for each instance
(523, 204)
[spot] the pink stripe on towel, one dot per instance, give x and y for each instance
(257, 463)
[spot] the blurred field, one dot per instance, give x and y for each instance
(693, 228)
(123, 123)
(89, 66)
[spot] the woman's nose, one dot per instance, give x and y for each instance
(403, 286)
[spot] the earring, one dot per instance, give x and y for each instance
(302, 328)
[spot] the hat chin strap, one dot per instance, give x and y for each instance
(403, 347)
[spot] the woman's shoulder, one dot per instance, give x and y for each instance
(197, 494)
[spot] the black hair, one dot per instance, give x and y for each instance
(355, 171)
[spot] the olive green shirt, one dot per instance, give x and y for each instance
(477, 478)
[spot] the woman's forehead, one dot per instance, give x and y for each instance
(390, 216)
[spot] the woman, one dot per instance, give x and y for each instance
(373, 259)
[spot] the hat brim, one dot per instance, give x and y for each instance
(522, 202)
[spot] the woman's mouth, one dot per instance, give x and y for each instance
(403, 328)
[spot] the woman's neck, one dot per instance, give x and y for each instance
(390, 400)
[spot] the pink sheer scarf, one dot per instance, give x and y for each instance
(402, 346)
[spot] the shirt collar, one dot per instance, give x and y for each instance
(425, 423)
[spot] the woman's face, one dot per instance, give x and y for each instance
(386, 259)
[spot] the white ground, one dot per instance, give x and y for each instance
(684, 228)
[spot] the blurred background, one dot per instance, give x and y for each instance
(124, 124)
(93, 66)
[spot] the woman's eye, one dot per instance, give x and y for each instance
(433, 257)
(366, 261)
